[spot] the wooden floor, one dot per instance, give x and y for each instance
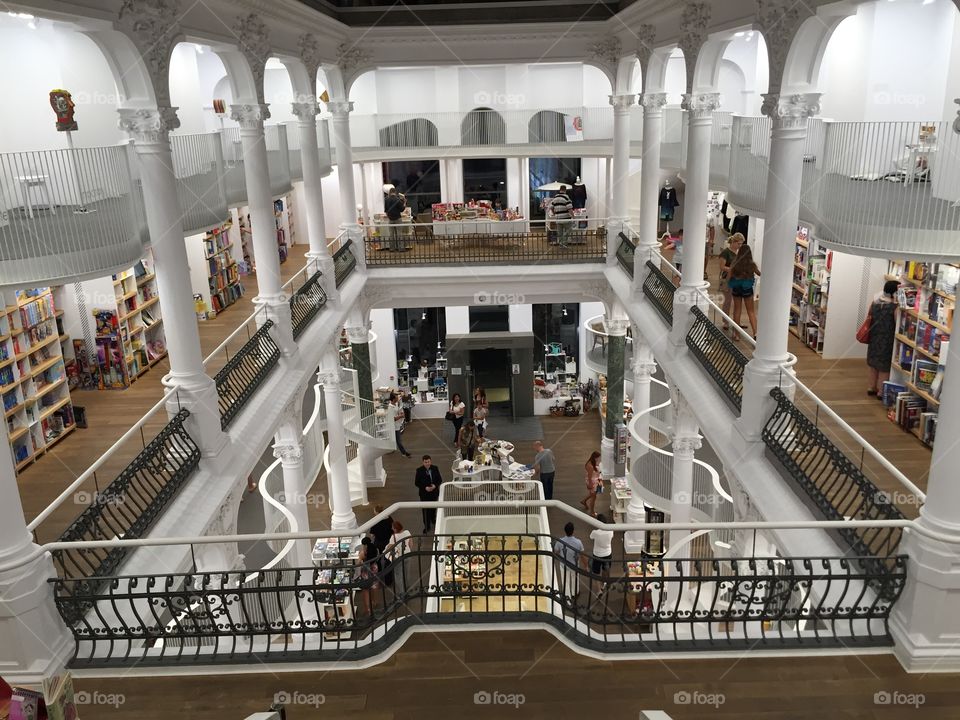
(440, 676)
(110, 413)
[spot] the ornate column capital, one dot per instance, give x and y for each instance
(351, 57)
(693, 31)
(700, 106)
(305, 111)
(340, 108)
(358, 334)
(780, 21)
(250, 117)
(646, 36)
(643, 370)
(149, 125)
(310, 53)
(329, 379)
(288, 454)
(616, 326)
(623, 103)
(686, 445)
(790, 112)
(653, 102)
(606, 53)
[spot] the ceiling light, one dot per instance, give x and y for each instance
(722, 544)
(424, 315)
(741, 33)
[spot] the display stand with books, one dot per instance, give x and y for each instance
(33, 375)
(924, 317)
(214, 272)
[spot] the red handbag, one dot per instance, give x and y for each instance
(863, 334)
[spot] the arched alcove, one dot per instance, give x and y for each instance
(547, 126)
(483, 126)
(417, 132)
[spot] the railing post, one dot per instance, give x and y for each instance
(150, 130)
(338, 477)
(260, 199)
(784, 181)
(32, 635)
(925, 623)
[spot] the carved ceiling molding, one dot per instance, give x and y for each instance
(693, 32)
(606, 53)
(308, 50)
(780, 21)
(253, 41)
(154, 28)
(646, 43)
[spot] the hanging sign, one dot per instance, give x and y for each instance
(62, 104)
(573, 126)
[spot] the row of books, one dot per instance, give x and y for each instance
(37, 311)
(226, 297)
(218, 263)
(216, 242)
(910, 411)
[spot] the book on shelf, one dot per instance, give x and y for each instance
(928, 427)
(890, 391)
(925, 371)
(904, 356)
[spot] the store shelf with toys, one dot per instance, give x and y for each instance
(33, 374)
(283, 220)
(924, 318)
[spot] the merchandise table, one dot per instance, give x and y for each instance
(491, 458)
(480, 226)
(645, 583)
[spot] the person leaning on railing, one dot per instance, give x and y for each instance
(394, 205)
(562, 210)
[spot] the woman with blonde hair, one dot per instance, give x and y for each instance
(727, 257)
(593, 482)
(743, 275)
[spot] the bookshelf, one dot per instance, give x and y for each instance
(243, 237)
(924, 318)
(283, 220)
(810, 290)
(33, 375)
(214, 270)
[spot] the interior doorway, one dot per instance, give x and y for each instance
(492, 370)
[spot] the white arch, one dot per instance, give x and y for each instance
(656, 70)
(240, 75)
(134, 85)
(629, 76)
(304, 90)
(801, 71)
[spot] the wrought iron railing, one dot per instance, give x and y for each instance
(131, 503)
(491, 242)
(306, 303)
(660, 289)
(625, 252)
(718, 354)
(348, 611)
(245, 372)
(344, 261)
(836, 487)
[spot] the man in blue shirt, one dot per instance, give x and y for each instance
(570, 559)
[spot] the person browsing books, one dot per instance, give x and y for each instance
(880, 345)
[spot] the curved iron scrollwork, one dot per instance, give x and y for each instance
(625, 252)
(131, 503)
(306, 303)
(720, 357)
(357, 610)
(660, 289)
(344, 262)
(245, 372)
(837, 488)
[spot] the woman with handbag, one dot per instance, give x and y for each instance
(455, 415)
(877, 333)
(467, 440)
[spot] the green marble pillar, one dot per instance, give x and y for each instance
(361, 363)
(616, 349)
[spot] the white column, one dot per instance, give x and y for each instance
(195, 390)
(616, 328)
(348, 196)
(619, 220)
(649, 182)
(288, 448)
(306, 113)
(33, 637)
(924, 622)
(685, 441)
(643, 369)
(339, 479)
(700, 108)
(789, 114)
(262, 223)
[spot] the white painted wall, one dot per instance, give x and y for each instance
(458, 320)
(521, 318)
(37, 61)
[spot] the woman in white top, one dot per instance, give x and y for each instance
(455, 413)
(480, 418)
(400, 544)
(602, 550)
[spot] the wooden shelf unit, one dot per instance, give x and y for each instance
(810, 289)
(214, 269)
(924, 319)
(33, 375)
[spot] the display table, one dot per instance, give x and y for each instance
(480, 226)
(645, 583)
(491, 459)
(620, 496)
(335, 551)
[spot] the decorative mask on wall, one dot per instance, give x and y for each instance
(62, 104)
